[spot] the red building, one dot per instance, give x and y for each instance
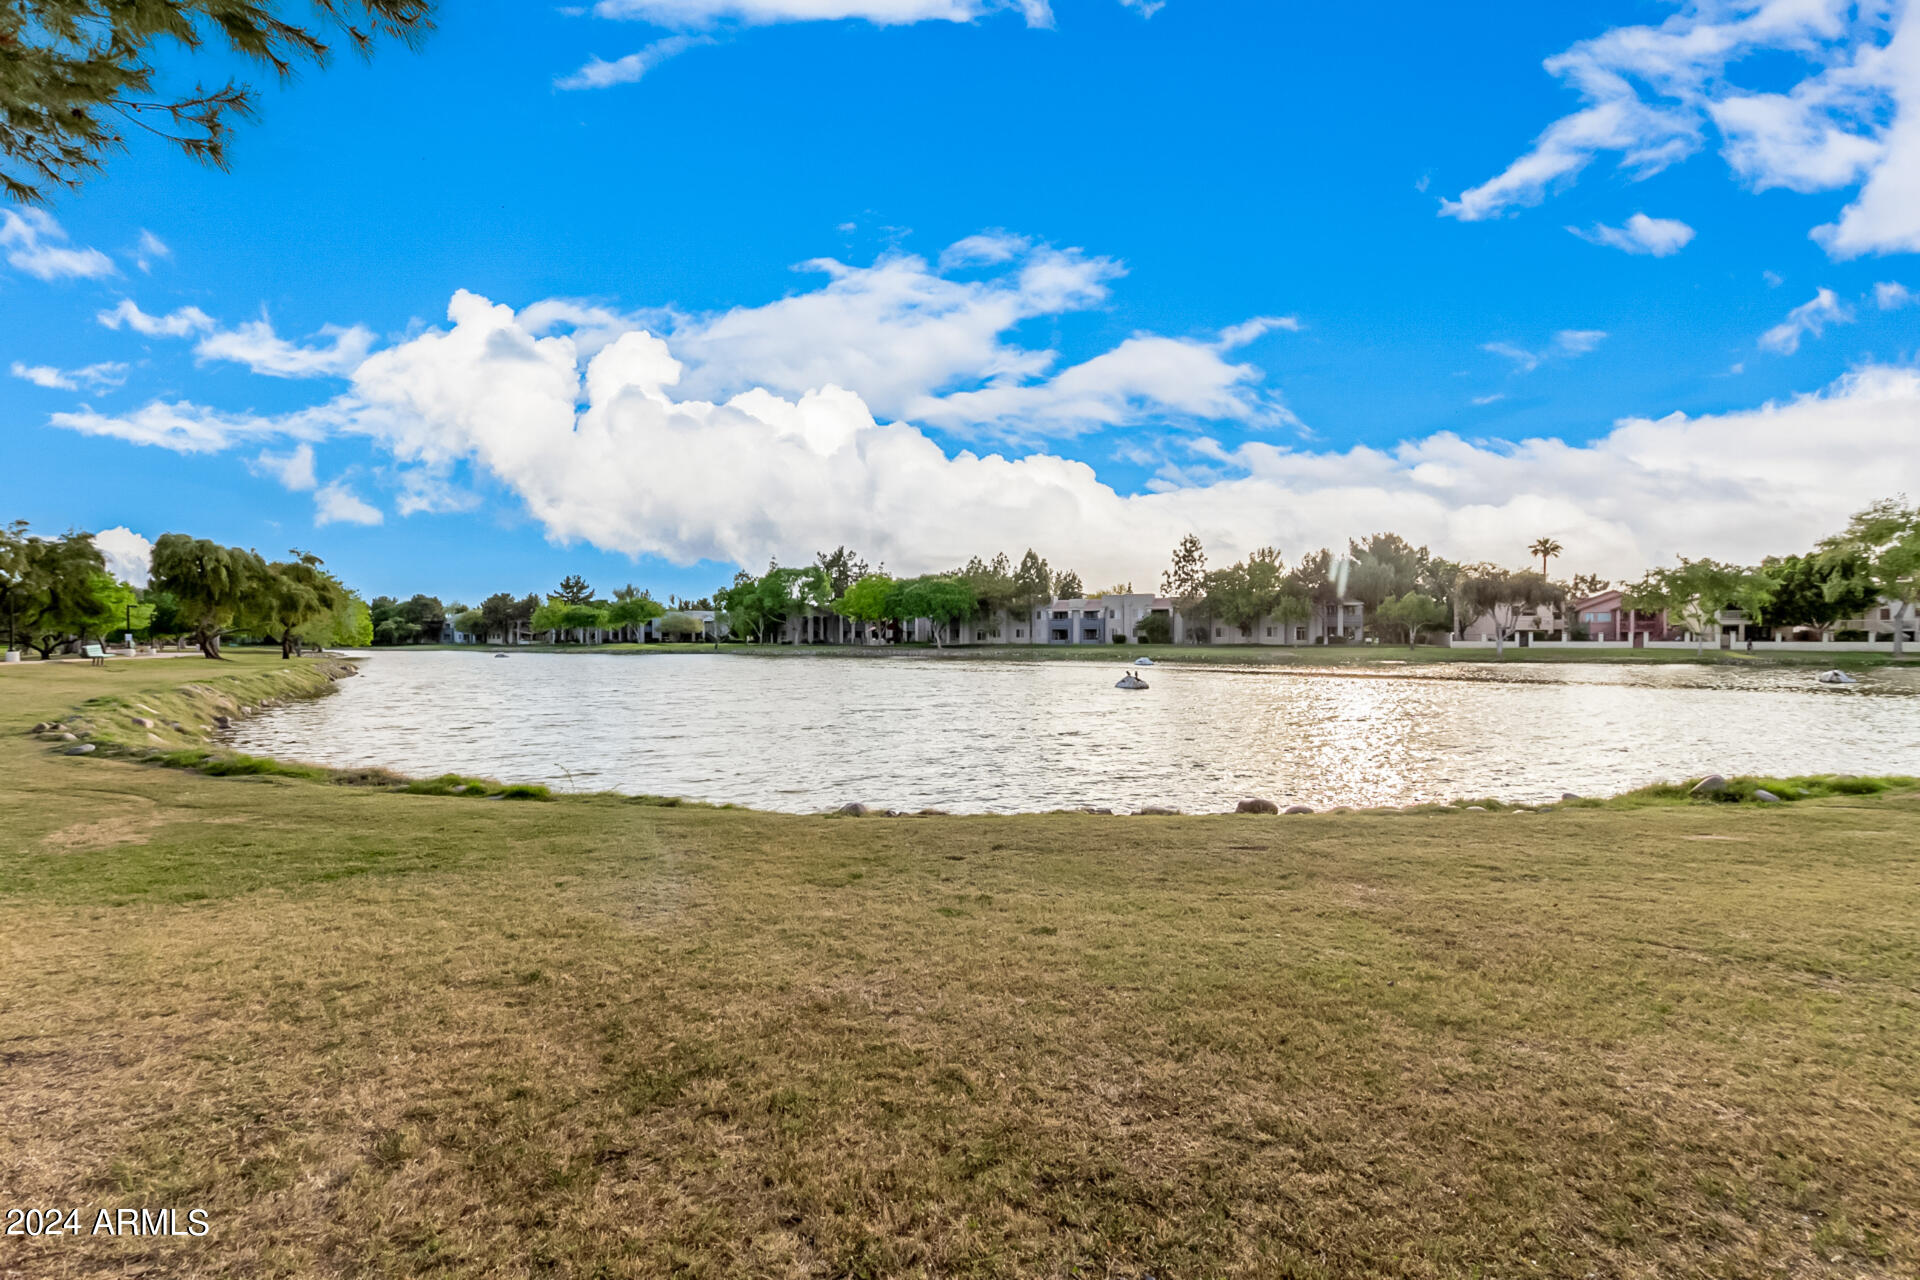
(1605, 617)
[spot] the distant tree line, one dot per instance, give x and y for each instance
(56, 594)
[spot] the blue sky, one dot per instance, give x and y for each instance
(1080, 277)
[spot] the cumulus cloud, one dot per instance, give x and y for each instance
(36, 244)
(1809, 319)
(97, 377)
(293, 469)
(1652, 94)
(336, 503)
(1658, 237)
(129, 556)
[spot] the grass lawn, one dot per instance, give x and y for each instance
(373, 1033)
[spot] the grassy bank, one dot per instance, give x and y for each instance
(1234, 655)
(375, 1033)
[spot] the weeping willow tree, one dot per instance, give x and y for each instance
(76, 76)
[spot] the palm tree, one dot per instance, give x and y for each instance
(1546, 549)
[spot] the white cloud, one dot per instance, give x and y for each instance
(37, 245)
(1495, 398)
(177, 324)
(255, 344)
(1651, 94)
(1890, 296)
(1809, 319)
(151, 249)
(252, 343)
(335, 503)
(129, 556)
(99, 377)
(294, 469)
(605, 449)
(1659, 237)
(1567, 344)
(699, 13)
(599, 74)
(184, 427)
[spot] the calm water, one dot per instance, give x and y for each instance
(811, 733)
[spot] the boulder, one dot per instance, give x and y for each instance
(143, 722)
(1297, 808)
(224, 722)
(1475, 808)
(66, 737)
(1087, 808)
(933, 813)
(1568, 795)
(1765, 796)
(42, 727)
(1256, 806)
(855, 810)
(81, 749)
(1711, 785)
(1157, 811)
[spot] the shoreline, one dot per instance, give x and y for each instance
(1316, 657)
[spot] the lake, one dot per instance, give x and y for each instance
(811, 732)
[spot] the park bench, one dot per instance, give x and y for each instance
(98, 654)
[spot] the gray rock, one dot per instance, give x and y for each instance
(1711, 785)
(1091, 809)
(852, 811)
(42, 727)
(225, 722)
(1256, 806)
(82, 749)
(1568, 795)
(143, 722)
(933, 813)
(1765, 796)
(1157, 811)
(66, 737)
(1475, 808)
(1297, 808)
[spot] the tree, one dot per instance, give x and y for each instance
(1693, 593)
(1588, 584)
(15, 572)
(1812, 591)
(869, 601)
(293, 596)
(1155, 628)
(943, 601)
(1413, 613)
(78, 72)
(1185, 581)
(1883, 542)
(993, 584)
(1384, 565)
(1503, 596)
(353, 624)
(681, 624)
(573, 590)
(1445, 580)
(1068, 586)
(1248, 591)
(214, 584)
(165, 619)
(633, 611)
(1546, 549)
(1032, 590)
(842, 567)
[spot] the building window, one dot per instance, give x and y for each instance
(1018, 634)
(1218, 633)
(1269, 633)
(1299, 633)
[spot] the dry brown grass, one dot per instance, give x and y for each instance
(377, 1034)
